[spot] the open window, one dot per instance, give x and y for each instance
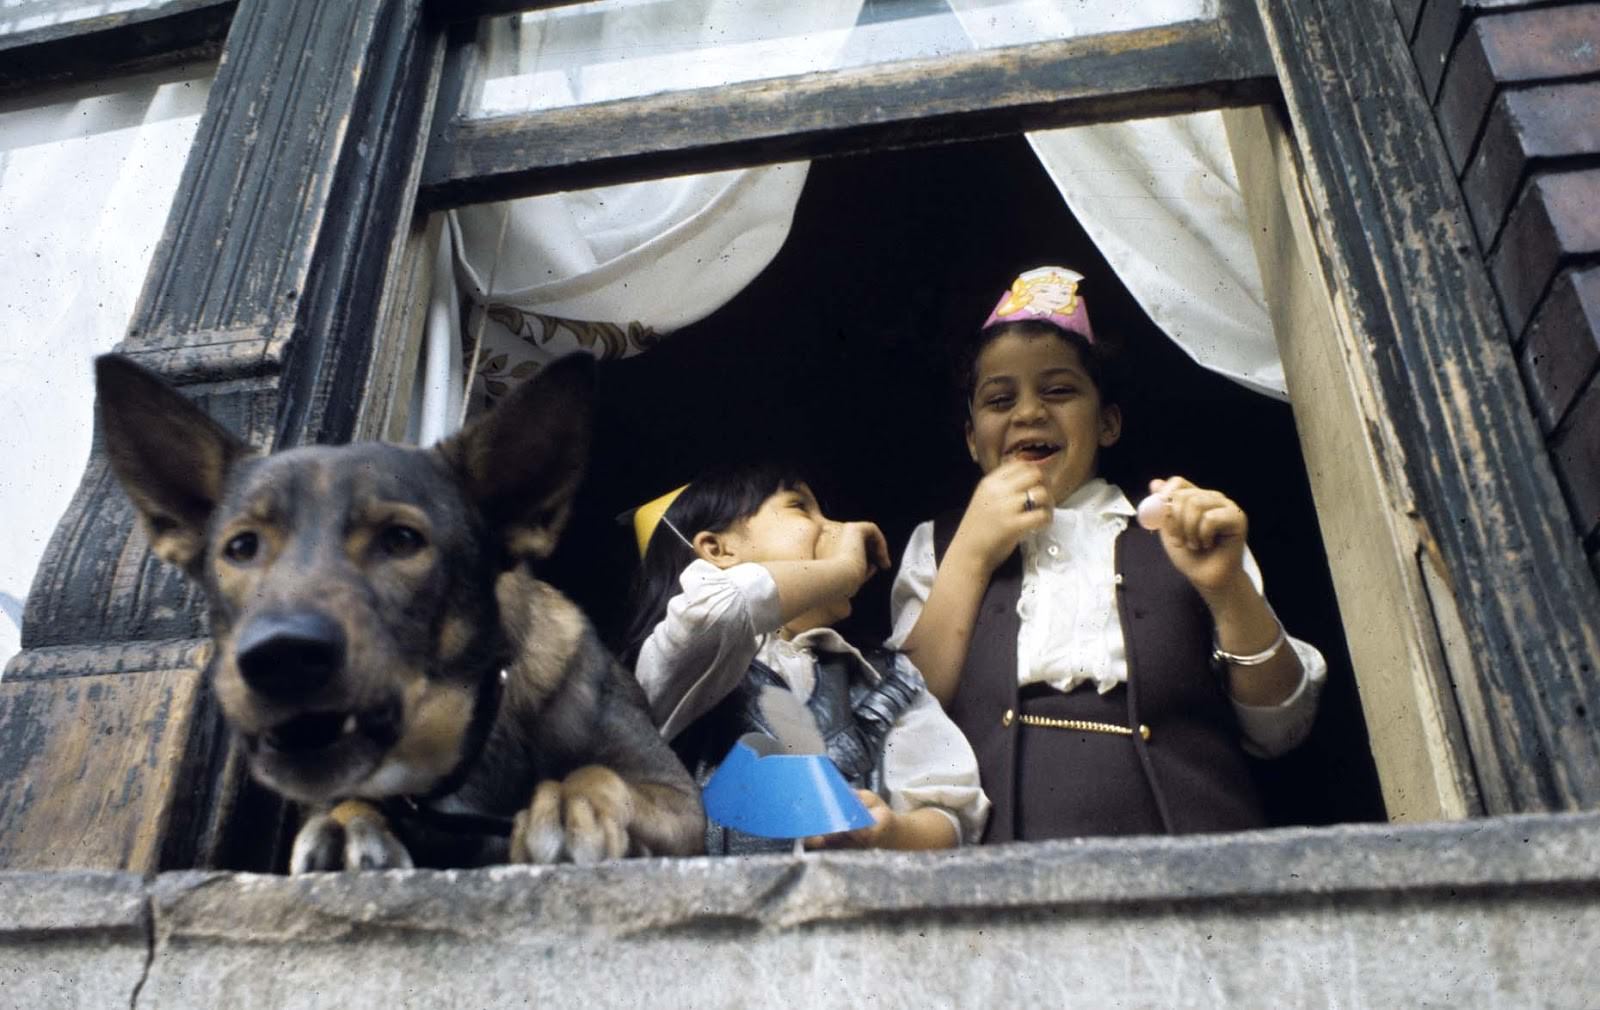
(833, 353)
(291, 287)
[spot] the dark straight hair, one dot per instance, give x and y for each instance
(713, 501)
(1097, 356)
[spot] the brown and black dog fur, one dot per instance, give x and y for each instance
(364, 601)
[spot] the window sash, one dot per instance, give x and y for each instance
(1448, 419)
(1185, 67)
(158, 35)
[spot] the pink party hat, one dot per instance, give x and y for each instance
(1048, 295)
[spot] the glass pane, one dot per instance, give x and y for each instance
(25, 15)
(85, 184)
(612, 49)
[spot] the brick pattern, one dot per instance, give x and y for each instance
(1516, 91)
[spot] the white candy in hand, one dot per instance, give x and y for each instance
(1153, 511)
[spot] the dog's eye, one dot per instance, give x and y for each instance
(241, 548)
(400, 541)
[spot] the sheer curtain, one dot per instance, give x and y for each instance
(85, 185)
(1160, 197)
(615, 270)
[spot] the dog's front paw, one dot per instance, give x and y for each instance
(352, 836)
(583, 818)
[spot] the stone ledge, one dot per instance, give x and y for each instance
(1493, 910)
(783, 891)
(82, 901)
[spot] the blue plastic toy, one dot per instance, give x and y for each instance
(761, 791)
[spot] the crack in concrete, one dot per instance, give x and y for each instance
(149, 921)
(773, 905)
(764, 910)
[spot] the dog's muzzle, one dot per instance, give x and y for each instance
(286, 657)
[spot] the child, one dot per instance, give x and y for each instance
(741, 577)
(1103, 673)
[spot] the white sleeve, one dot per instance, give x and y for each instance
(927, 762)
(1273, 730)
(912, 584)
(698, 652)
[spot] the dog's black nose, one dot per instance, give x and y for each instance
(287, 656)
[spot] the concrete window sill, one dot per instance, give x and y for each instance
(1499, 910)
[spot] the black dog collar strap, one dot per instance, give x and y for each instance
(485, 709)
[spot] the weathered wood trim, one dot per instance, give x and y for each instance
(1362, 498)
(342, 325)
(385, 408)
(1402, 259)
(92, 767)
(264, 300)
(66, 661)
(112, 44)
(1149, 72)
(217, 356)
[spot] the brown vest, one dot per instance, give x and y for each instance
(1046, 782)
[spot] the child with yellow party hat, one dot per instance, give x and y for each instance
(741, 578)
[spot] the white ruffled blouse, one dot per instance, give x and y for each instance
(1071, 631)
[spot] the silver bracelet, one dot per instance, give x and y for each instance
(1218, 655)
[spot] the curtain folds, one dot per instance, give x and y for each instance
(615, 270)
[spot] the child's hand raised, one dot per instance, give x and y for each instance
(1202, 530)
(1010, 502)
(859, 545)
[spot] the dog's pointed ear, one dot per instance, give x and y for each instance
(522, 462)
(169, 456)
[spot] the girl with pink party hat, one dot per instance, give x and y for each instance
(1110, 675)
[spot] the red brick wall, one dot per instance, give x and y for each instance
(1516, 90)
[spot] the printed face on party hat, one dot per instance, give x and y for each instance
(1045, 294)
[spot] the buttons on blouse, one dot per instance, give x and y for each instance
(1009, 718)
(1053, 550)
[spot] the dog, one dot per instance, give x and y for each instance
(379, 642)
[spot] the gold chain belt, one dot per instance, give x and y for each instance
(1080, 725)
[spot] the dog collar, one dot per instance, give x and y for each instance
(485, 709)
(408, 808)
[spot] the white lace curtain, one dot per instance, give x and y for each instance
(1159, 197)
(615, 270)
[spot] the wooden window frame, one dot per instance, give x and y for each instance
(299, 329)
(113, 45)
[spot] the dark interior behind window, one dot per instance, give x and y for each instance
(834, 357)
